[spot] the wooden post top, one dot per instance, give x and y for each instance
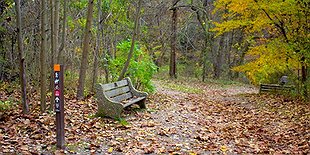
(57, 67)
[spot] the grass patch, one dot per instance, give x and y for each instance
(179, 86)
(223, 82)
(122, 121)
(183, 88)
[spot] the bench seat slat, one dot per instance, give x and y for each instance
(133, 100)
(114, 85)
(122, 97)
(282, 87)
(275, 88)
(117, 91)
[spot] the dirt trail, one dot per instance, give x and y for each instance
(202, 119)
(219, 120)
(176, 123)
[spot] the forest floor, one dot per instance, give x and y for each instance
(181, 118)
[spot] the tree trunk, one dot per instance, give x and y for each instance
(217, 63)
(52, 53)
(304, 77)
(96, 51)
(107, 51)
(172, 68)
(63, 35)
(230, 64)
(86, 42)
(134, 35)
(22, 73)
(105, 61)
(56, 25)
(43, 55)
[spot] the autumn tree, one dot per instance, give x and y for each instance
(279, 34)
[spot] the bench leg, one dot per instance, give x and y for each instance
(142, 104)
(110, 110)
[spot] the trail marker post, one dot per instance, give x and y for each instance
(59, 105)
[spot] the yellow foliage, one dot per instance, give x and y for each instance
(78, 50)
(281, 32)
(271, 58)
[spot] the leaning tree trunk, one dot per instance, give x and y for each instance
(87, 33)
(134, 35)
(43, 55)
(22, 73)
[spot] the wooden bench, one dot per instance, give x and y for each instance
(114, 97)
(275, 88)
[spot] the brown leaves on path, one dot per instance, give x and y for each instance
(215, 119)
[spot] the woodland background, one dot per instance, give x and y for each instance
(200, 60)
(254, 41)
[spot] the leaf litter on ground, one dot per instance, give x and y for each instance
(231, 119)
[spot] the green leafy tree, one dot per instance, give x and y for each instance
(141, 68)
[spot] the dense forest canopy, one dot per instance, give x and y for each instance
(255, 41)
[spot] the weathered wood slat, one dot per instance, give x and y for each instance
(116, 92)
(274, 88)
(134, 100)
(114, 85)
(122, 97)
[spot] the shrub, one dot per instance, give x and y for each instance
(6, 105)
(140, 70)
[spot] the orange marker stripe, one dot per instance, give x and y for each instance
(57, 67)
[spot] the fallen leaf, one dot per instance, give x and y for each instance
(110, 150)
(224, 148)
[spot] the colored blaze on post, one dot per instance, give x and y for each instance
(59, 105)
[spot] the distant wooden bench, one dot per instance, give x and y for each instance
(114, 97)
(275, 88)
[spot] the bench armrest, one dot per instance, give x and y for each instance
(106, 106)
(134, 91)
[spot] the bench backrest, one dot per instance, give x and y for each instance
(117, 91)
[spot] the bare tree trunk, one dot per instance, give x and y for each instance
(172, 68)
(43, 55)
(107, 51)
(219, 58)
(134, 35)
(230, 64)
(86, 42)
(53, 48)
(105, 61)
(56, 27)
(304, 77)
(63, 35)
(22, 73)
(96, 51)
